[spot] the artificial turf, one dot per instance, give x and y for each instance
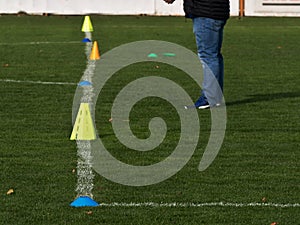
(259, 157)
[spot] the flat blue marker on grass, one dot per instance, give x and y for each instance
(84, 201)
(85, 40)
(84, 83)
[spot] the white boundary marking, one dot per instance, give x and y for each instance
(85, 174)
(41, 42)
(200, 205)
(37, 82)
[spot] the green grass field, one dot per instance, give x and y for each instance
(259, 157)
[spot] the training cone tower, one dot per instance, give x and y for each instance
(83, 128)
(87, 25)
(95, 55)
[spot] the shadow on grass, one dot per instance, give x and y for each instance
(264, 97)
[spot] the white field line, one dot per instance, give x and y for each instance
(85, 175)
(36, 82)
(41, 43)
(199, 205)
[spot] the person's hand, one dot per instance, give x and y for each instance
(169, 1)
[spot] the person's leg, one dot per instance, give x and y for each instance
(220, 56)
(209, 37)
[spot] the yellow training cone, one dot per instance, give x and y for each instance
(87, 25)
(95, 52)
(83, 128)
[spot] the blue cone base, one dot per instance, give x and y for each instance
(86, 40)
(85, 83)
(84, 201)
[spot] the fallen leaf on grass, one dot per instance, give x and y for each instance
(10, 191)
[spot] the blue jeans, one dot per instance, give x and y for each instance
(209, 38)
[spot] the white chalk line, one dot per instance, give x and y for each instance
(199, 205)
(41, 43)
(37, 82)
(85, 175)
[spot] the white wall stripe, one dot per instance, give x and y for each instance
(199, 205)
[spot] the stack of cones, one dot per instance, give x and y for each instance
(83, 129)
(87, 27)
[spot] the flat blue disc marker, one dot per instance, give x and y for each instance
(85, 83)
(84, 201)
(85, 40)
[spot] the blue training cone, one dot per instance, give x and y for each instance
(85, 40)
(85, 83)
(84, 201)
